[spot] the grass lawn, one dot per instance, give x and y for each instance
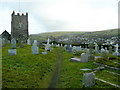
(26, 70)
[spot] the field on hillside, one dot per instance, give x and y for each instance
(26, 70)
(96, 34)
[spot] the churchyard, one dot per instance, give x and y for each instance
(35, 65)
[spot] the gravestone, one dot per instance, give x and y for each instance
(47, 46)
(35, 43)
(78, 49)
(13, 42)
(106, 50)
(44, 52)
(96, 48)
(35, 49)
(12, 51)
(88, 79)
(68, 48)
(116, 53)
(84, 57)
(52, 44)
(29, 42)
(102, 49)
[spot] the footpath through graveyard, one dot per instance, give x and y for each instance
(57, 70)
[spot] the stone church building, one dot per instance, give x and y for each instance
(19, 26)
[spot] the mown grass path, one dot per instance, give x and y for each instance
(57, 70)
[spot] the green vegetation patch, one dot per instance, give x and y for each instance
(26, 70)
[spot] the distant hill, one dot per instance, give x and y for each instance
(55, 35)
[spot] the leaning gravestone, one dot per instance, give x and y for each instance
(88, 79)
(13, 42)
(12, 51)
(84, 57)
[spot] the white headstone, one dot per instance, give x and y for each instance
(52, 44)
(84, 57)
(12, 51)
(88, 79)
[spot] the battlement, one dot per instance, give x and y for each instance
(19, 14)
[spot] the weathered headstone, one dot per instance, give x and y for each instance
(13, 42)
(12, 51)
(84, 57)
(88, 79)
(29, 42)
(35, 49)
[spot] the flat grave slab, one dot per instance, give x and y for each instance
(75, 59)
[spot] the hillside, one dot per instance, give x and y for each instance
(91, 35)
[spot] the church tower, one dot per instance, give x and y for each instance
(19, 26)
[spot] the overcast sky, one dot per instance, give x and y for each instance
(62, 15)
